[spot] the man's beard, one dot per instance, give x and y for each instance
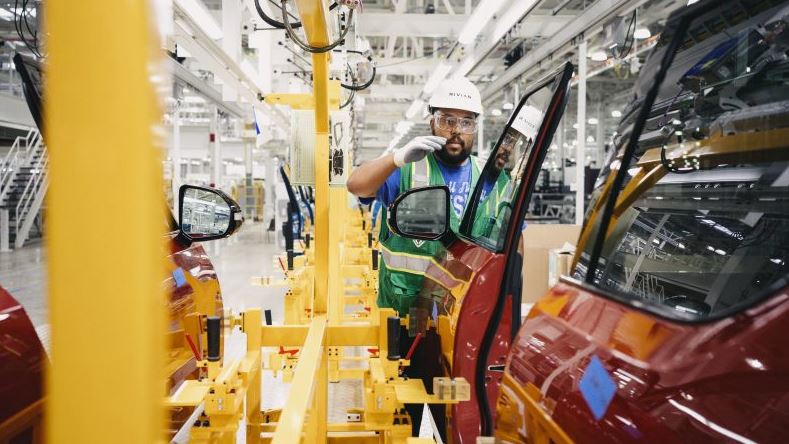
(453, 159)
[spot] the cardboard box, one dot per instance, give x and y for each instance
(559, 261)
(538, 241)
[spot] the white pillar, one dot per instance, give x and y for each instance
(599, 153)
(216, 149)
(249, 198)
(5, 229)
(231, 39)
(175, 156)
(580, 149)
(269, 190)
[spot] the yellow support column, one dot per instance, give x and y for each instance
(104, 226)
(252, 328)
(313, 17)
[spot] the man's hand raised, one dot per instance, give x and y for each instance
(417, 149)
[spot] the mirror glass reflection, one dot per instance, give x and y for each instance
(204, 214)
(423, 213)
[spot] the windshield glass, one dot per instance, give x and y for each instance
(701, 224)
(489, 213)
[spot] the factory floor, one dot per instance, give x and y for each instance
(236, 259)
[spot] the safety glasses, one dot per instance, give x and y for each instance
(464, 125)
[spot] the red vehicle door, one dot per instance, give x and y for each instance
(476, 280)
(672, 328)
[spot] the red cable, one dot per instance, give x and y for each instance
(413, 346)
(193, 346)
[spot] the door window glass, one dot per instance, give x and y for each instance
(489, 213)
(701, 224)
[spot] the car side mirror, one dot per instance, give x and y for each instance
(421, 213)
(207, 213)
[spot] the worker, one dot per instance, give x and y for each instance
(442, 158)
(498, 186)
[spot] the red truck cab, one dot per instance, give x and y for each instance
(671, 327)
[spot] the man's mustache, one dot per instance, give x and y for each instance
(458, 141)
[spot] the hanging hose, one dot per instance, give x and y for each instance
(355, 87)
(305, 46)
(350, 99)
(270, 21)
(276, 23)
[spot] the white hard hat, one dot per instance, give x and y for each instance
(457, 93)
(528, 121)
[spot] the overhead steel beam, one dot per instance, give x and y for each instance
(199, 44)
(393, 92)
(376, 24)
(181, 73)
(406, 66)
(591, 18)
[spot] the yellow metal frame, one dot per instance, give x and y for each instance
(105, 201)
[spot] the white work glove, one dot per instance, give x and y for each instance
(417, 149)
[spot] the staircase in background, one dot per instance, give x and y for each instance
(24, 178)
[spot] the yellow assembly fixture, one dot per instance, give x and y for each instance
(100, 93)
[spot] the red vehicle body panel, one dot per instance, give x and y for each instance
(726, 380)
(22, 356)
(474, 304)
(472, 322)
(185, 299)
(22, 359)
(480, 270)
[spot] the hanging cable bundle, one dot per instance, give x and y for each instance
(28, 34)
(350, 99)
(276, 23)
(355, 86)
(305, 46)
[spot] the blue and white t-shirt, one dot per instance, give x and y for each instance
(456, 177)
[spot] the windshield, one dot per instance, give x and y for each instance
(701, 223)
(489, 213)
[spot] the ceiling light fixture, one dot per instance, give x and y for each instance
(592, 121)
(495, 112)
(415, 108)
(616, 113)
(478, 19)
(438, 75)
(507, 106)
(6, 14)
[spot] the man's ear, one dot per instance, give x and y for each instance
(432, 125)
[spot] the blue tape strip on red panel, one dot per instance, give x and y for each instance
(597, 388)
(179, 277)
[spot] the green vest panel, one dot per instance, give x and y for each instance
(404, 261)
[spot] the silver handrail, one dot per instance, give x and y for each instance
(14, 159)
(38, 180)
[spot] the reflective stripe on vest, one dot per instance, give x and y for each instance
(418, 265)
(420, 174)
(405, 262)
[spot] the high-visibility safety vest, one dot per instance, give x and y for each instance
(404, 261)
(497, 197)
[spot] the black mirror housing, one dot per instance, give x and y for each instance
(219, 215)
(421, 213)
